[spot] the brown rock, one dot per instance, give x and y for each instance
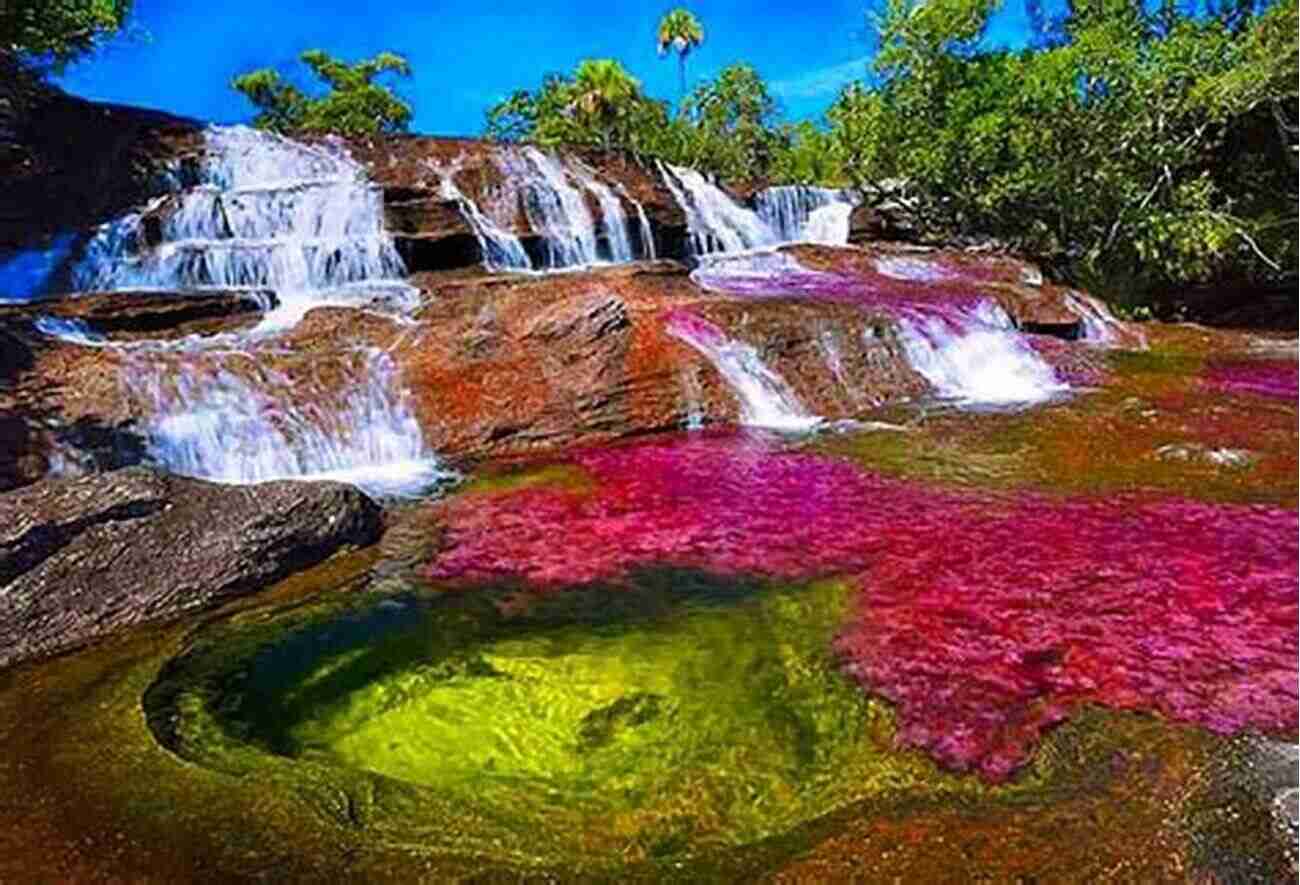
(81, 558)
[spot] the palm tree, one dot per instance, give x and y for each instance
(680, 31)
(603, 92)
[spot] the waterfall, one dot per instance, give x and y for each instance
(717, 222)
(829, 224)
(647, 233)
(555, 208)
(976, 357)
(766, 400)
(501, 250)
(613, 220)
(267, 213)
(239, 422)
(1100, 326)
(802, 213)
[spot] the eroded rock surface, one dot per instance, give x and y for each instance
(80, 558)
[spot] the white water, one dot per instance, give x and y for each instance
(268, 213)
(555, 208)
(235, 428)
(71, 330)
(501, 250)
(766, 400)
(647, 232)
(802, 213)
(976, 357)
(717, 222)
(1100, 326)
(301, 220)
(613, 220)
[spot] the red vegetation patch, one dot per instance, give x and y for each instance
(1278, 379)
(985, 618)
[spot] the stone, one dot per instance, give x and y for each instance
(82, 558)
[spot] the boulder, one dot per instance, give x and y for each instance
(82, 558)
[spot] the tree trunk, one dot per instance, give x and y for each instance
(681, 78)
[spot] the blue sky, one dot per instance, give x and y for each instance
(180, 55)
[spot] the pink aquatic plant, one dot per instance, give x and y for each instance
(1277, 379)
(984, 618)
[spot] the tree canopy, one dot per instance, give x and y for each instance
(1132, 148)
(354, 104)
(679, 31)
(58, 31)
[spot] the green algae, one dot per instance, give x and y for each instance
(1102, 442)
(514, 477)
(92, 785)
(683, 713)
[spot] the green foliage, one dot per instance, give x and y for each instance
(1137, 145)
(727, 125)
(58, 31)
(354, 104)
(733, 117)
(680, 31)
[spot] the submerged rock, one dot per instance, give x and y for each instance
(80, 558)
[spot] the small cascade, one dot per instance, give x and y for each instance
(501, 250)
(717, 222)
(69, 329)
(1100, 326)
(828, 342)
(555, 208)
(267, 213)
(802, 213)
(647, 232)
(976, 357)
(829, 224)
(693, 398)
(766, 400)
(233, 422)
(613, 228)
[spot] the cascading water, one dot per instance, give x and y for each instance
(268, 213)
(802, 213)
(643, 222)
(555, 208)
(766, 400)
(976, 357)
(246, 425)
(303, 221)
(501, 250)
(717, 222)
(613, 220)
(1099, 325)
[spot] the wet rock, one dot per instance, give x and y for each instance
(68, 164)
(81, 558)
(148, 313)
(1192, 451)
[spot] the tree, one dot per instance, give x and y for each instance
(353, 105)
(58, 31)
(1137, 148)
(680, 31)
(733, 120)
(603, 92)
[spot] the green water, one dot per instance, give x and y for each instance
(682, 710)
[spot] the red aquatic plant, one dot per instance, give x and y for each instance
(1278, 379)
(984, 618)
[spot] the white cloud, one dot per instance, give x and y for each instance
(822, 81)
